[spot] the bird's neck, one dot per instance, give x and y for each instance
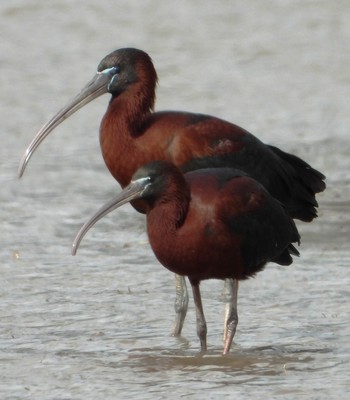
(166, 217)
(122, 124)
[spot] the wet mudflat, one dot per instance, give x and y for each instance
(98, 325)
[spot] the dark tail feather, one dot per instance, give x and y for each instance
(311, 178)
(285, 257)
(302, 204)
(293, 250)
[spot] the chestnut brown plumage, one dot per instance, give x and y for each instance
(213, 223)
(131, 134)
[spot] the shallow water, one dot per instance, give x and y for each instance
(97, 325)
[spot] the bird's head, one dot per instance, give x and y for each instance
(120, 71)
(150, 183)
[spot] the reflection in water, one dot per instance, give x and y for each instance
(264, 360)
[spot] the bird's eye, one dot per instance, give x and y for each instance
(151, 178)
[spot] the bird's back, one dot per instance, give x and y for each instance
(233, 227)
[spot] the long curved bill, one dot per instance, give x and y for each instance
(95, 88)
(133, 191)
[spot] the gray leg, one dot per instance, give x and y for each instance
(181, 304)
(231, 314)
(201, 324)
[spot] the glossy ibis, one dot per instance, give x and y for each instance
(215, 223)
(131, 135)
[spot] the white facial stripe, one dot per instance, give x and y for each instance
(141, 180)
(108, 71)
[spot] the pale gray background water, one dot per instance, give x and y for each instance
(97, 326)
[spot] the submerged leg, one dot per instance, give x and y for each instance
(231, 314)
(201, 324)
(181, 304)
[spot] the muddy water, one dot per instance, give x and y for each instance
(96, 326)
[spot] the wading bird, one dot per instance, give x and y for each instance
(132, 134)
(215, 223)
